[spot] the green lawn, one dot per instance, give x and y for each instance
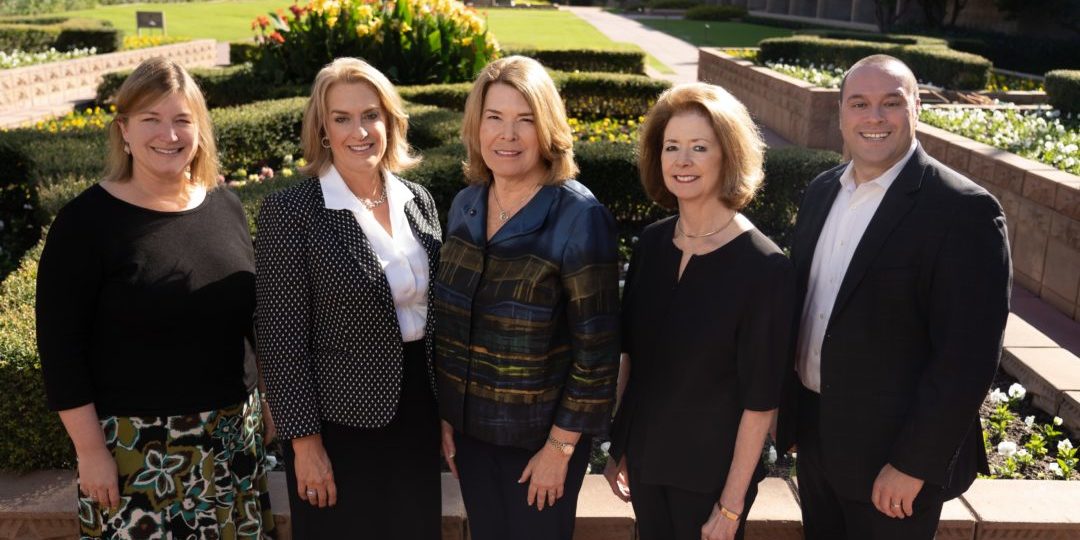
(716, 34)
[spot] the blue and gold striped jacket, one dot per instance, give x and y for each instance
(527, 324)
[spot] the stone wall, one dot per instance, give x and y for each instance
(59, 82)
(1042, 203)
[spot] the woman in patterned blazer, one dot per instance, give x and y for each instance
(527, 312)
(343, 262)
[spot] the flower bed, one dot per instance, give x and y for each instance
(1040, 135)
(18, 58)
(1022, 441)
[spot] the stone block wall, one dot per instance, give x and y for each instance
(59, 82)
(1042, 203)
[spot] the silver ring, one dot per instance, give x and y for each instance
(894, 505)
(312, 493)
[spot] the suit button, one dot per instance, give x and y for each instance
(472, 211)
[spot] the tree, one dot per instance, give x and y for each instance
(935, 11)
(1066, 13)
(887, 12)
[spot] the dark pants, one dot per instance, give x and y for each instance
(388, 478)
(670, 513)
(827, 515)
(497, 505)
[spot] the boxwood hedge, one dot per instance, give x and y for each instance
(1063, 89)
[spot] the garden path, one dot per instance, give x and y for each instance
(677, 54)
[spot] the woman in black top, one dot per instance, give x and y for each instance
(145, 296)
(707, 315)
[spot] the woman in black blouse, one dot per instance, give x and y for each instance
(707, 316)
(145, 296)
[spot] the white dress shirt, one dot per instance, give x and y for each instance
(848, 218)
(403, 259)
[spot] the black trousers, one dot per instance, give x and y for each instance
(497, 505)
(388, 478)
(671, 513)
(827, 515)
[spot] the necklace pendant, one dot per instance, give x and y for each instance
(503, 216)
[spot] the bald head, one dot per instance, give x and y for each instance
(887, 64)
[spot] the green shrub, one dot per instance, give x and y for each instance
(450, 96)
(593, 60)
(931, 63)
(431, 127)
(249, 134)
(222, 87)
(27, 37)
(1063, 89)
(243, 52)
(105, 40)
(895, 39)
(787, 173)
(673, 4)
(715, 13)
(63, 34)
(35, 7)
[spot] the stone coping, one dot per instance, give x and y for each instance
(40, 506)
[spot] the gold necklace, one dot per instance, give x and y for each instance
(678, 225)
(504, 216)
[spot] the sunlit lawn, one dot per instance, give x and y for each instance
(231, 21)
(714, 33)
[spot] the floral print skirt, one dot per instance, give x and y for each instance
(190, 477)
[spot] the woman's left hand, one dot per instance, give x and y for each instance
(546, 473)
(719, 527)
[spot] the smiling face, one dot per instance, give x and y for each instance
(508, 140)
(356, 128)
(878, 114)
(690, 157)
(163, 138)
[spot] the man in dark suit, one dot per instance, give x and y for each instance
(903, 269)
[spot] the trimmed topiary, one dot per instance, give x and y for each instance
(1063, 89)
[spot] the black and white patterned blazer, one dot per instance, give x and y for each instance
(328, 338)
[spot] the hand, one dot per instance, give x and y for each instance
(314, 476)
(449, 450)
(894, 492)
(546, 473)
(269, 430)
(618, 478)
(98, 479)
(719, 527)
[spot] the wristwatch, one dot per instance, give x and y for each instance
(564, 447)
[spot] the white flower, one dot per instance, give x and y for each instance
(770, 456)
(1064, 444)
(1022, 453)
(1017, 391)
(1056, 469)
(1006, 448)
(1029, 421)
(271, 462)
(1058, 421)
(605, 446)
(998, 397)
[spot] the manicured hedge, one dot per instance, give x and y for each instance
(931, 63)
(222, 87)
(63, 34)
(715, 13)
(242, 52)
(673, 4)
(248, 134)
(594, 60)
(1063, 89)
(895, 39)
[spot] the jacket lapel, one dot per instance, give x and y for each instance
(894, 206)
(529, 218)
(350, 236)
(817, 210)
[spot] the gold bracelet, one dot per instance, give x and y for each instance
(728, 514)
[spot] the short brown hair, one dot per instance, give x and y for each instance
(553, 132)
(742, 150)
(149, 83)
(398, 155)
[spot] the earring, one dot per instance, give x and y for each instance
(325, 142)
(127, 149)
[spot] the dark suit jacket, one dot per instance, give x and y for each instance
(328, 337)
(913, 341)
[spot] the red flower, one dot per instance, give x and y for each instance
(264, 21)
(297, 11)
(277, 37)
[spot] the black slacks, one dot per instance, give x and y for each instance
(827, 515)
(497, 505)
(388, 478)
(671, 513)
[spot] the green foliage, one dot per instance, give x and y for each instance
(243, 52)
(854, 35)
(27, 37)
(222, 87)
(592, 60)
(673, 4)
(412, 42)
(431, 127)
(35, 7)
(63, 34)
(787, 173)
(249, 134)
(1063, 89)
(105, 40)
(715, 13)
(930, 62)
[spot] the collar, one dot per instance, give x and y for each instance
(338, 196)
(886, 179)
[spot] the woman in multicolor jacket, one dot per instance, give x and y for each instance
(526, 301)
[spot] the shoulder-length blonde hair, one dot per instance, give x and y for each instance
(149, 83)
(742, 150)
(398, 156)
(553, 133)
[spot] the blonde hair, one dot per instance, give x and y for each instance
(553, 133)
(153, 80)
(742, 150)
(398, 156)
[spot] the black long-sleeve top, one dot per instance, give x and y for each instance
(145, 313)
